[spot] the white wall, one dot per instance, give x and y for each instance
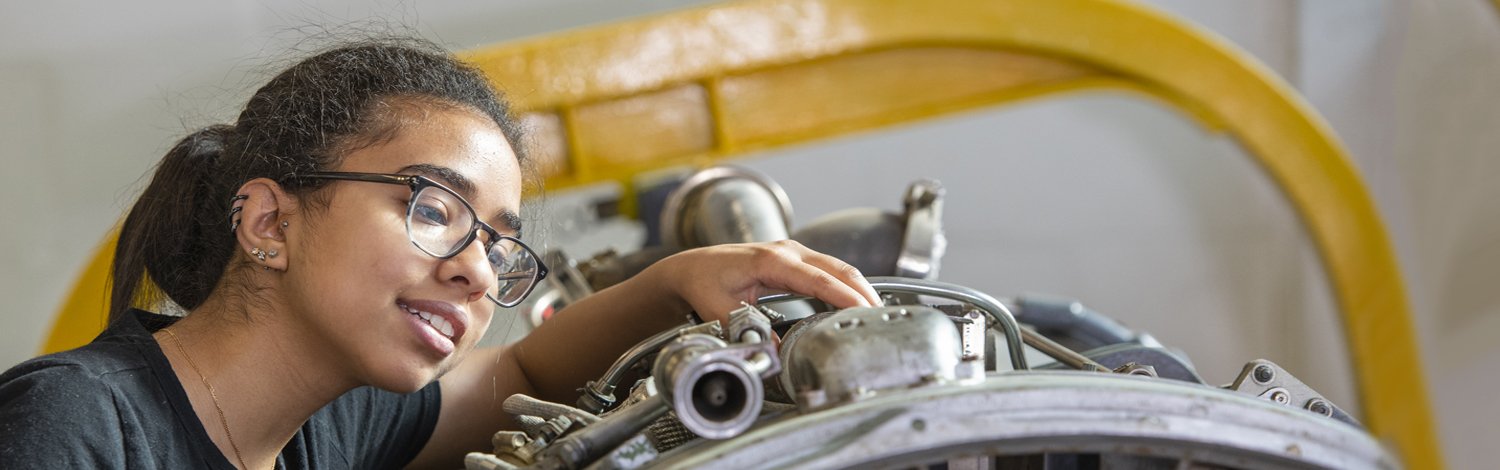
(1445, 167)
(1103, 197)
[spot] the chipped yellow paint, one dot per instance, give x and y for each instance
(856, 65)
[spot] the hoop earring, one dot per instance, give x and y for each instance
(234, 223)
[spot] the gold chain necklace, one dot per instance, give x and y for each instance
(211, 394)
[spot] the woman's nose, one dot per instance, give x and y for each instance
(471, 269)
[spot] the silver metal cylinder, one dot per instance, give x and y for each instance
(866, 237)
(714, 392)
(999, 313)
(723, 399)
(723, 205)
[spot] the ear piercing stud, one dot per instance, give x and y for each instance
(263, 254)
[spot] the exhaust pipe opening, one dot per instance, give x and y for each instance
(722, 400)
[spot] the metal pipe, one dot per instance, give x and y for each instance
(1000, 315)
(592, 442)
(725, 204)
(598, 395)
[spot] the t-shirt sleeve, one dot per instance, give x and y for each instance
(383, 429)
(58, 416)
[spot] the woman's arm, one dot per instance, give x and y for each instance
(580, 342)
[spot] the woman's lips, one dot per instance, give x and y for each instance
(440, 324)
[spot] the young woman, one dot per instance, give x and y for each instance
(340, 249)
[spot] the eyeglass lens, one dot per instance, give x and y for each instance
(440, 223)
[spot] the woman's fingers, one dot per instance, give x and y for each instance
(846, 273)
(796, 268)
(715, 280)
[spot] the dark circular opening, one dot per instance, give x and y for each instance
(719, 396)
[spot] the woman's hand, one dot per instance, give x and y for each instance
(581, 341)
(714, 280)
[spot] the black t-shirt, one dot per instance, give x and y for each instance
(115, 403)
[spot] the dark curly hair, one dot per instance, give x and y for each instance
(304, 120)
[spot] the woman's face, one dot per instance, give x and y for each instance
(355, 278)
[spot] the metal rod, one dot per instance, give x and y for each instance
(1057, 351)
(592, 442)
(1000, 315)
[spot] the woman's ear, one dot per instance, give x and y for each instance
(264, 218)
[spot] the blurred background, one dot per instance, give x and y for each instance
(1106, 197)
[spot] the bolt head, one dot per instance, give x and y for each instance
(1320, 407)
(1263, 374)
(1280, 397)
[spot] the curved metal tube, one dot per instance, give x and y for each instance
(600, 394)
(725, 204)
(1000, 315)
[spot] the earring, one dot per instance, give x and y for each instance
(285, 224)
(271, 254)
(234, 224)
(258, 254)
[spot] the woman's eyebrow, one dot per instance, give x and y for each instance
(449, 177)
(458, 182)
(511, 220)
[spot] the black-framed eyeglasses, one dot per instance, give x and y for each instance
(441, 223)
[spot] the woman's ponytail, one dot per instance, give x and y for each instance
(178, 231)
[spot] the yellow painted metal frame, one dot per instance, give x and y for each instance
(723, 70)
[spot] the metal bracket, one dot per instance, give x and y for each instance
(1265, 379)
(922, 243)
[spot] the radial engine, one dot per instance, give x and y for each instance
(941, 376)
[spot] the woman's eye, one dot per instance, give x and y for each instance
(430, 214)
